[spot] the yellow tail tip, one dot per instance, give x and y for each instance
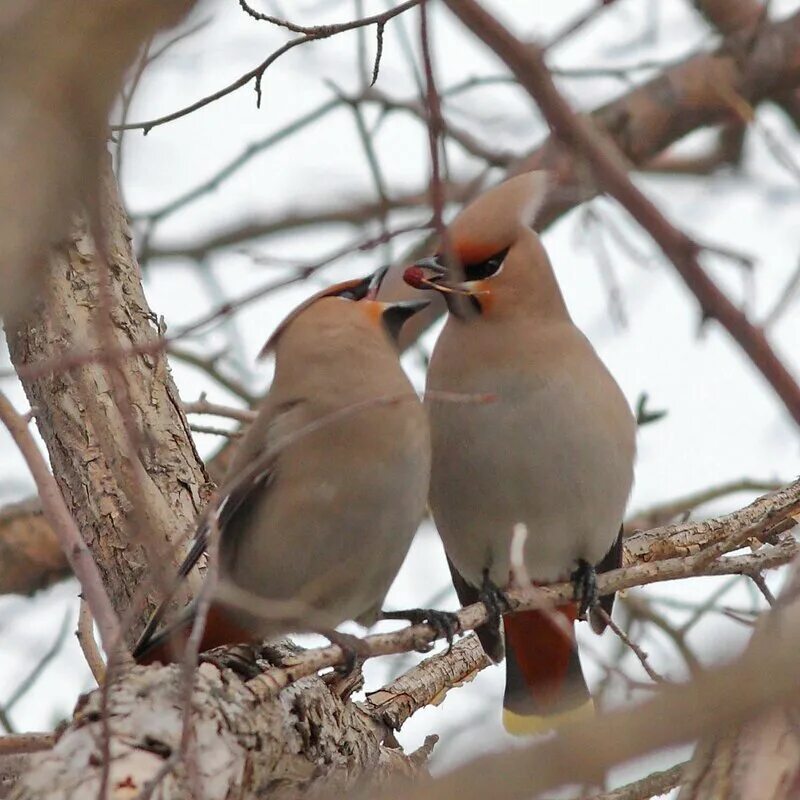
(531, 725)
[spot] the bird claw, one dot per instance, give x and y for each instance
(493, 598)
(352, 648)
(445, 623)
(584, 586)
(239, 659)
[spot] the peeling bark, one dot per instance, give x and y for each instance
(111, 491)
(306, 742)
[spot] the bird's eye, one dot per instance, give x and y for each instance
(485, 269)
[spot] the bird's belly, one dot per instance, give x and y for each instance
(552, 465)
(336, 546)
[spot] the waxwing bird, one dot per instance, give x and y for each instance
(555, 452)
(328, 484)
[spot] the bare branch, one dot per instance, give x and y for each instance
(202, 406)
(257, 73)
(26, 743)
(657, 783)
(666, 512)
(427, 683)
(761, 521)
(211, 366)
(30, 555)
(88, 644)
(353, 215)
(63, 525)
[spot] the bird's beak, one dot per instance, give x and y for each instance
(375, 281)
(395, 315)
(428, 273)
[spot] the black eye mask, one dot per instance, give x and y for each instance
(485, 269)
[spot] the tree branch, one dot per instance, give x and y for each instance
(650, 556)
(256, 74)
(354, 215)
(587, 142)
(281, 700)
(30, 556)
(63, 526)
(764, 677)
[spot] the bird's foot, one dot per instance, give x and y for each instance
(494, 598)
(445, 623)
(239, 658)
(352, 647)
(584, 587)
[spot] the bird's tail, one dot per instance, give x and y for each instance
(169, 645)
(545, 686)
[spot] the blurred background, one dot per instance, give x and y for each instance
(233, 199)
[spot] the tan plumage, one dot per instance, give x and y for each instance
(554, 452)
(342, 449)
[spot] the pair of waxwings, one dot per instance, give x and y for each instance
(332, 478)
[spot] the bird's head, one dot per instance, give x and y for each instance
(350, 306)
(501, 262)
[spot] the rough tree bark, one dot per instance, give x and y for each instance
(309, 743)
(134, 501)
(308, 735)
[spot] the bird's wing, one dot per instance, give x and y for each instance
(253, 469)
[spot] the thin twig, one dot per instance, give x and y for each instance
(234, 165)
(213, 430)
(211, 366)
(31, 678)
(652, 785)
(86, 640)
(758, 580)
(664, 512)
(257, 73)
(203, 406)
(632, 646)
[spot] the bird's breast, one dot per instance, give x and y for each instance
(554, 451)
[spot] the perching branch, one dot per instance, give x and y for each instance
(281, 700)
(670, 553)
